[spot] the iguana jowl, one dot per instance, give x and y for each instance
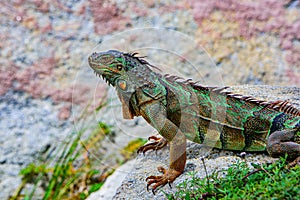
(181, 110)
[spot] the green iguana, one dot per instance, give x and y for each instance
(181, 110)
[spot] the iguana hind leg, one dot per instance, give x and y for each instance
(284, 142)
(158, 143)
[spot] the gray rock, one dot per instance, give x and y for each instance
(114, 181)
(25, 130)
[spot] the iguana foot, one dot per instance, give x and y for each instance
(294, 163)
(169, 175)
(159, 142)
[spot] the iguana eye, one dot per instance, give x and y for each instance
(119, 67)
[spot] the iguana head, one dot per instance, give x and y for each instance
(123, 70)
(128, 73)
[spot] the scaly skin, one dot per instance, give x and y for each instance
(181, 110)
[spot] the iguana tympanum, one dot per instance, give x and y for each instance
(181, 110)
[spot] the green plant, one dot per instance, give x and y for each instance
(67, 173)
(267, 181)
(131, 148)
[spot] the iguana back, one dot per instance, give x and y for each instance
(223, 119)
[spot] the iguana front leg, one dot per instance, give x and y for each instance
(284, 142)
(155, 115)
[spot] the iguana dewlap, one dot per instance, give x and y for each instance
(181, 110)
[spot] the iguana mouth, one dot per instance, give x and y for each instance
(106, 74)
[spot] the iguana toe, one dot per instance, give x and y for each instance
(157, 144)
(169, 175)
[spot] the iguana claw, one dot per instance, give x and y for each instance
(159, 143)
(169, 175)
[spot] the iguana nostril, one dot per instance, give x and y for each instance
(94, 56)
